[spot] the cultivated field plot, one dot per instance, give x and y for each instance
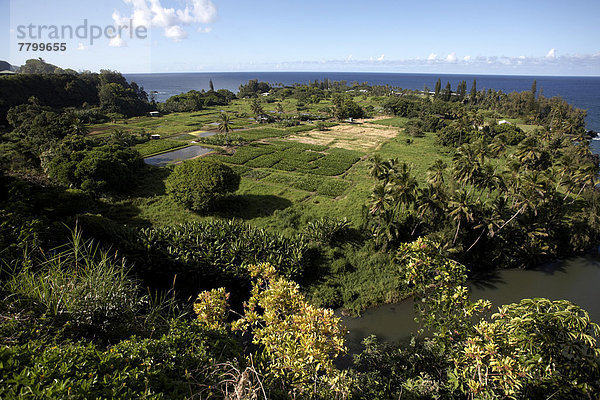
(306, 167)
(359, 136)
(292, 156)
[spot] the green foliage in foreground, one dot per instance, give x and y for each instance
(223, 249)
(534, 349)
(180, 363)
(199, 184)
(527, 350)
(82, 284)
(298, 342)
(327, 230)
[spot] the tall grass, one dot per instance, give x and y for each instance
(81, 283)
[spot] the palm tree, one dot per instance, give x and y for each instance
(256, 108)
(280, 108)
(461, 209)
(380, 199)
(481, 149)
(431, 203)
(529, 151)
(224, 125)
(379, 168)
(465, 164)
(404, 186)
(435, 173)
(497, 147)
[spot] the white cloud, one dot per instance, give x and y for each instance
(451, 57)
(152, 14)
(202, 11)
(81, 47)
(117, 41)
(176, 33)
(561, 64)
(551, 54)
(381, 57)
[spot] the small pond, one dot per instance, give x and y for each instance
(171, 157)
(576, 280)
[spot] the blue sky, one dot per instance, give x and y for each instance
(486, 37)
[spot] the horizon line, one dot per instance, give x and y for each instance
(361, 72)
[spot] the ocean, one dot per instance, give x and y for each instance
(582, 92)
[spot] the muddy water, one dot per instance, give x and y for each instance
(576, 280)
(176, 155)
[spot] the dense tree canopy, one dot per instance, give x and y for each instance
(95, 168)
(253, 88)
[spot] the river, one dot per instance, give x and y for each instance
(576, 279)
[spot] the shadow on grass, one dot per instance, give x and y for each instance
(250, 206)
(150, 182)
(123, 213)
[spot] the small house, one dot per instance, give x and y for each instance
(155, 136)
(154, 114)
(503, 122)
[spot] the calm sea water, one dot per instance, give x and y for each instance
(582, 92)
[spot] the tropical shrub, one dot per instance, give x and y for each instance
(297, 341)
(389, 371)
(415, 127)
(199, 184)
(327, 230)
(224, 249)
(184, 102)
(533, 349)
(512, 134)
(182, 362)
(452, 136)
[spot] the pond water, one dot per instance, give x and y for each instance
(176, 155)
(207, 133)
(576, 280)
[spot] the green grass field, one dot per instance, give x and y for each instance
(153, 147)
(280, 173)
(239, 112)
(397, 122)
